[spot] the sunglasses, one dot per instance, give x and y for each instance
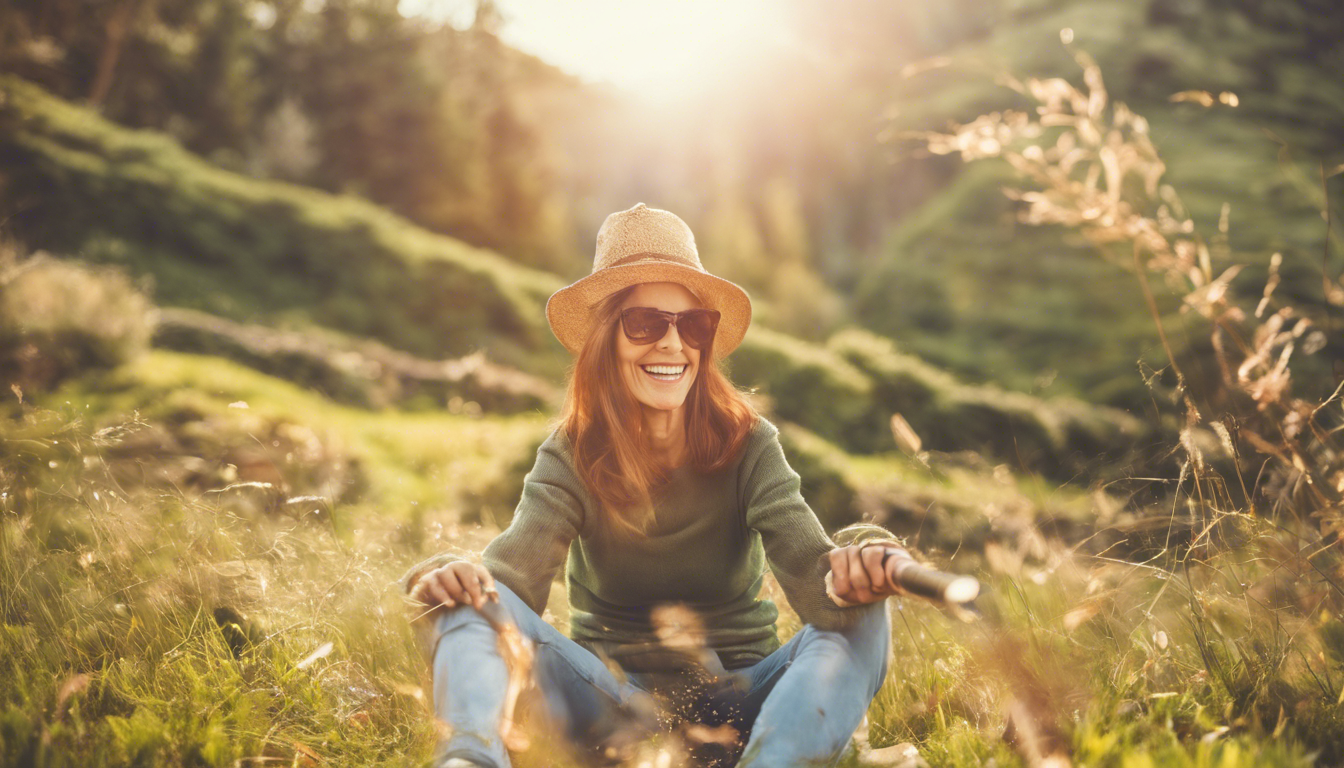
(645, 325)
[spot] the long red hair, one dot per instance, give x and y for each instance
(604, 423)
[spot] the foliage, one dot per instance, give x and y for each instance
(288, 254)
(848, 390)
(262, 248)
(349, 95)
(211, 582)
(59, 319)
(458, 132)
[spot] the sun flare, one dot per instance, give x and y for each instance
(663, 52)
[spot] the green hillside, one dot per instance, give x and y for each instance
(275, 254)
(257, 250)
(965, 285)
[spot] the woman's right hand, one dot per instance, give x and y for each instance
(454, 584)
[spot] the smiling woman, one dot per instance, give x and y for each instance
(668, 495)
(647, 268)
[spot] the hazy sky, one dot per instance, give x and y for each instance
(663, 50)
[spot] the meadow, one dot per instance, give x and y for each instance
(160, 609)
(237, 409)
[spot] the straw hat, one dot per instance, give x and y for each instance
(647, 245)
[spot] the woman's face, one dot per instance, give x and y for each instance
(660, 374)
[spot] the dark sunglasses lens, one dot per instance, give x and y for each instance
(644, 326)
(697, 327)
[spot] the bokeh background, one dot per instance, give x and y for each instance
(271, 321)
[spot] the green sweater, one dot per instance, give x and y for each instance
(711, 538)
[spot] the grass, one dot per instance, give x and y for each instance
(1108, 661)
(406, 460)
(150, 627)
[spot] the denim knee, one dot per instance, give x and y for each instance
(870, 640)
(450, 619)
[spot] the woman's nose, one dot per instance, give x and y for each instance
(671, 340)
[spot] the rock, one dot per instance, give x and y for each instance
(896, 756)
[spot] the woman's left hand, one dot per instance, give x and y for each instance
(858, 575)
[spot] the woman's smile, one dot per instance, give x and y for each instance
(665, 373)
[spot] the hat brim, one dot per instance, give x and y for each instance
(569, 311)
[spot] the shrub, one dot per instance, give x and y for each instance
(59, 318)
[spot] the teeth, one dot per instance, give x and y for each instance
(666, 370)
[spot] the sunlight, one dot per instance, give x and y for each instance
(662, 52)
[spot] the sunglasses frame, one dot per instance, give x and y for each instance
(672, 318)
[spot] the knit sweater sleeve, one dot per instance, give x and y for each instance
(530, 552)
(796, 546)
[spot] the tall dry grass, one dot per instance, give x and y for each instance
(1093, 167)
(1204, 631)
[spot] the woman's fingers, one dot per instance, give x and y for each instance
(451, 579)
(470, 585)
(858, 577)
(859, 573)
(487, 583)
(454, 584)
(871, 557)
(853, 579)
(430, 592)
(840, 573)
(436, 589)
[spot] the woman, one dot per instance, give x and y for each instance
(661, 487)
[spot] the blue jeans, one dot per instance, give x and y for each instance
(801, 703)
